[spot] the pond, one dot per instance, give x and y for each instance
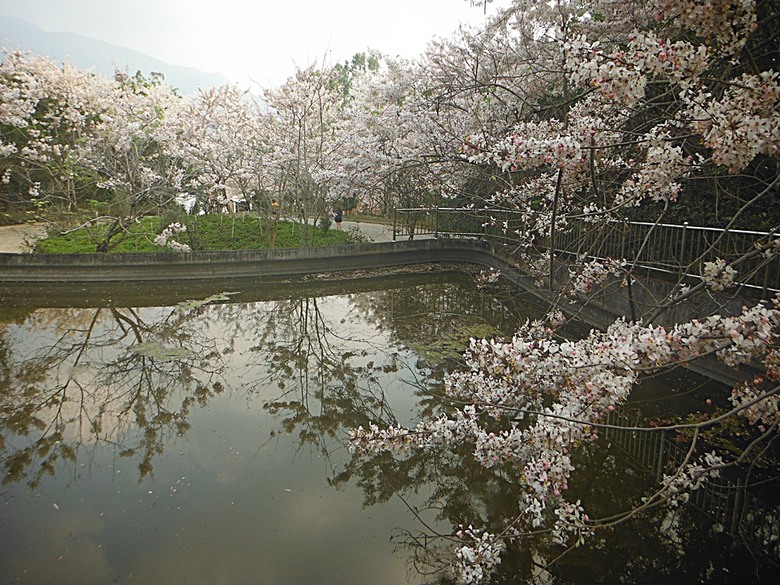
(198, 434)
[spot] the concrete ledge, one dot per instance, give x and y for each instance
(85, 268)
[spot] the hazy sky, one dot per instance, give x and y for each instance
(260, 40)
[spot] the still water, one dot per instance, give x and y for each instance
(199, 436)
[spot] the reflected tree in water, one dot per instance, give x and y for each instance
(130, 378)
(122, 377)
(327, 371)
(326, 376)
(448, 491)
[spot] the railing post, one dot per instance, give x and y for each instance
(765, 286)
(395, 221)
(661, 460)
(681, 256)
(736, 512)
(625, 237)
(436, 222)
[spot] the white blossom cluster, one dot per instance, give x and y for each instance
(658, 177)
(728, 22)
(528, 146)
(507, 382)
(594, 273)
(762, 411)
(742, 123)
(690, 478)
(441, 431)
(478, 559)
(718, 275)
(487, 277)
(571, 523)
(623, 75)
(165, 238)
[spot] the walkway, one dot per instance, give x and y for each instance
(20, 238)
(375, 232)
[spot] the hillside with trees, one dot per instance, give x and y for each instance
(98, 56)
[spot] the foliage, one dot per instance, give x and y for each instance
(227, 232)
(82, 241)
(324, 224)
(449, 345)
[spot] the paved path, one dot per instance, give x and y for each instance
(20, 238)
(375, 232)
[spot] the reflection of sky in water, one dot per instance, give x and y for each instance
(218, 510)
(226, 502)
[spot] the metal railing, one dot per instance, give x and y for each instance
(725, 500)
(677, 250)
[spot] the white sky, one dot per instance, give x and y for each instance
(258, 40)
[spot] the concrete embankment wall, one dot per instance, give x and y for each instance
(136, 270)
(85, 268)
(82, 269)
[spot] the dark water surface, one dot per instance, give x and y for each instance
(168, 435)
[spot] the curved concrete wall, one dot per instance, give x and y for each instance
(32, 270)
(78, 268)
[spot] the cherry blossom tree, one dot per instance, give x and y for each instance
(399, 147)
(305, 110)
(610, 110)
(46, 112)
(636, 126)
(219, 138)
(127, 155)
(71, 138)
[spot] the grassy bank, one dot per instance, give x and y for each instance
(205, 232)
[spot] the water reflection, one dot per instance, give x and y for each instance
(203, 430)
(203, 442)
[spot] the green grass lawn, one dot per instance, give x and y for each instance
(204, 232)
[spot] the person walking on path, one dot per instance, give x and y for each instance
(338, 218)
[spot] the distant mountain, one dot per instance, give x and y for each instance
(99, 57)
